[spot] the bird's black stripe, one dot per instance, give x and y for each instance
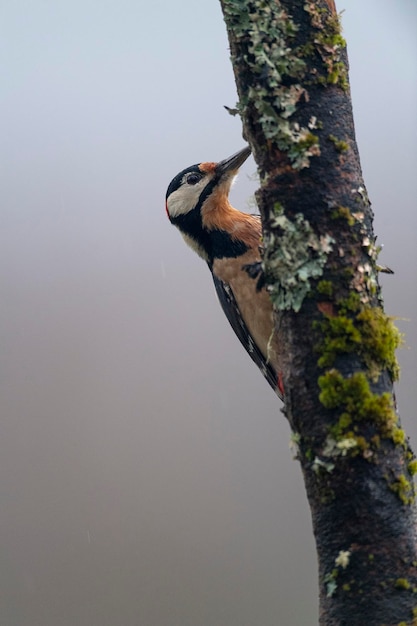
(222, 245)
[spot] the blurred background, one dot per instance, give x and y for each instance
(145, 471)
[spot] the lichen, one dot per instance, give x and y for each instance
(295, 440)
(318, 465)
(330, 579)
(299, 258)
(339, 447)
(330, 582)
(278, 70)
(343, 558)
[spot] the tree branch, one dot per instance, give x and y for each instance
(337, 344)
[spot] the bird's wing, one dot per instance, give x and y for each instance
(231, 310)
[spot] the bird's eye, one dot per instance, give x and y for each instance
(193, 179)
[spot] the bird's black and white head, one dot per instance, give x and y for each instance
(197, 197)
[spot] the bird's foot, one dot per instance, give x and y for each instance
(255, 271)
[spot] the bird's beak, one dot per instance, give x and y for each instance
(233, 163)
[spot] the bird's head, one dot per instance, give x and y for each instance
(198, 196)
(189, 190)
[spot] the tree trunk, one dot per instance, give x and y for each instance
(338, 346)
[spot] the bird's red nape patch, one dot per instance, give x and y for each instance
(207, 167)
(166, 208)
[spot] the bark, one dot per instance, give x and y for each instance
(337, 344)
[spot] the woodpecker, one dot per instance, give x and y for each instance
(197, 203)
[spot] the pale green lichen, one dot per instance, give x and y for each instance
(299, 258)
(341, 447)
(330, 582)
(295, 440)
(318, 465)
(273, 56)
(280, 70)
(343, 558)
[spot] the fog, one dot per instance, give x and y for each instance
(145, 470)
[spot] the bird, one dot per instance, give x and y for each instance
(229, 241)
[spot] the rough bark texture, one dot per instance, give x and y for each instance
(320, 262)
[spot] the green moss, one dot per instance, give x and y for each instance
(350, 304)
(339, 144)
(337, 75)
(402, 583)
(327, 495)
(343, 212)
(404, 490)
(346, 587)
(329, 43)
(412, 467)
(362, 443)
(325, 287)
(345, 421)
(380, 338)
(356, 402)
(339, 336)
(370, 333)
(308, 141)
(309, 454)
(353, 398)
(399, 436)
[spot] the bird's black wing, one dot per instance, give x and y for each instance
(231, 310)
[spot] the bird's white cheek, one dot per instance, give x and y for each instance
(182, 201)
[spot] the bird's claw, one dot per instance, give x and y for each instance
(255, 270)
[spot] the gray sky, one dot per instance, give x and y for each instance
(145, 475)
